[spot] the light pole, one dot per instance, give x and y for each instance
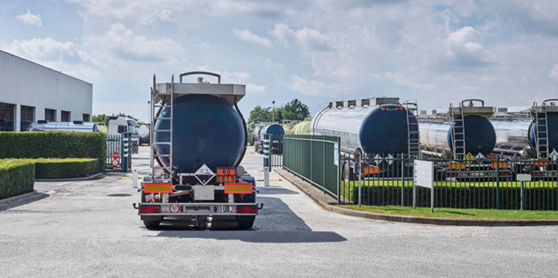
(273, 111)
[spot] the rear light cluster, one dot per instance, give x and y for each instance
(149, 209)
(247, 209)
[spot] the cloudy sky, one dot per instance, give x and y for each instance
(504, 51)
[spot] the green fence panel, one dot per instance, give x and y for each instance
(479, 183)
(315, 159)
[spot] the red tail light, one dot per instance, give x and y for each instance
(150, 209)
(247, 209)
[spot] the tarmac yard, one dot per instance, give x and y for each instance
(89, 229)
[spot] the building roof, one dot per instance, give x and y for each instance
(45, 67)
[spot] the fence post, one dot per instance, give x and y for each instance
(358, 169)
(402, 179)
(338, 169)
(497, 182)
(522, 196)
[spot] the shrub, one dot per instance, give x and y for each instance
(57, 168)
(16, 177)
(54, 144)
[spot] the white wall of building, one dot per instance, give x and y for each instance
(26, 83)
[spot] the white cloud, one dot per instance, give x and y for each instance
(307, 38)
(58, 55)
(248, 36)
(403, 80)
(42, 49)
(312, 87)
(253, 88)
(121, 45)
(554, 72)
(272, 67)
(29, 18)
(464, 48)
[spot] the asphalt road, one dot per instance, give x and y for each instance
(89, 229)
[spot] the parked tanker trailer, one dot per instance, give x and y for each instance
(374, 129)
(198, 139)
(378, 126)
(528, 135)
(464, 130)
(274, 132)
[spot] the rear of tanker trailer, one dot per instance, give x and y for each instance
(198, 138)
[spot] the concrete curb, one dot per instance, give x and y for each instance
(92, 177)
(320, 200)
(18, 197)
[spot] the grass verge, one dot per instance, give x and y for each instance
(489, 214)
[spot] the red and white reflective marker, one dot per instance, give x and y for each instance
(174, 208)
(115, 162)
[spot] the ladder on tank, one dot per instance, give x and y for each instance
(541, 131)
(157, 105)
(458, 133)
(413, 136)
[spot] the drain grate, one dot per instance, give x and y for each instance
(119, 195)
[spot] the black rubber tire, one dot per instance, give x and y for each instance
(245, 222)
(151, 224)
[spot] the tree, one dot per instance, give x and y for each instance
(258, 115)
(295, 111)
(102, 118)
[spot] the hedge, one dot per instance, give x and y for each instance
(54, 144)
(57, 168)
(16, 177)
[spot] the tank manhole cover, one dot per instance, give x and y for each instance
(119, 195)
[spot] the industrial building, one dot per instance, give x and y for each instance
(30, 92)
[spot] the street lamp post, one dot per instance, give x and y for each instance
(273, 111)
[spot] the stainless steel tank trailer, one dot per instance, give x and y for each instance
(198, 138)
(528, 135)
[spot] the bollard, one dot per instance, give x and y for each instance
(135, 179)
(266, 160)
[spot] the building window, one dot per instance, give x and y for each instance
(7, 112)
(65, 116)
(27, 117)
(86, 118)
(50, 115)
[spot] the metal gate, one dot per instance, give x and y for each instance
(119, 158)
(276, 152)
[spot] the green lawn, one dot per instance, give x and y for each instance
(460, 213)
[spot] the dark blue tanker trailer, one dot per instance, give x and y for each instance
(198, 140)
(464, 130)
(274, 133)
(377, 127)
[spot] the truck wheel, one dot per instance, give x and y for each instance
(151, 224)
(245, 222)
